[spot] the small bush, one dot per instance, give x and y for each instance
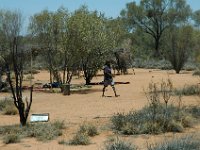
(34, 71)
(147, 122)
(80, 139)
(119, 145)
(185, 143)
(28, 77)
(83, 134)
(175, 126)
(152, 64)
(7, 107)
(5, 102)
(88, 129)
(194, 111)
(41, 131)
(196, 73)
(188, 90)
(59, 124)
(10, 110)
(62, 142)
(11, 138)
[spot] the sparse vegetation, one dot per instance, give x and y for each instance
(141, 122)
(188, 90)
(194, 111)
(7, 106)
(33, 71)
(41, 131)
(82, 137)
(28, 77)
(156, 117)
(11, 138)
(88, 129)
(184, 143)
(152, 64)
(118, 144)
(10, 110)
(196, 73)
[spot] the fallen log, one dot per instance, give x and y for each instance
(101, 83)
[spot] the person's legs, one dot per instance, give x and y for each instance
(113, 87)
(104, 87)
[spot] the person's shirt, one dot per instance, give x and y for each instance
(107, 73)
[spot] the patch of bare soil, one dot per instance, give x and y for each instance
(89, 106)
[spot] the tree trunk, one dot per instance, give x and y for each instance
(51, 79)
(22, 116)
(157, 51)
(177, 71)
(0, 78)
(87, 79)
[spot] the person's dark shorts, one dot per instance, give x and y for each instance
(109, 82)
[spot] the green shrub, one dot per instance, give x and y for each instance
(119, 145)
(10, 110)
(88, 129)
(145, 121)
(184, 143)
(152, 64)
(11, 138)
(34, 71)
(59, 124)
(83, 134)
(43, 131)
(80, 139)
(7, 107)
(190, 66)
(28, 77)
(62, 142)
(40, 131)
(188, 121)
(5, 102)
(196, 73)
(175, 126)
(194, 111)
(188, 90)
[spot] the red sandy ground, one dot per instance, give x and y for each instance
(91, 107)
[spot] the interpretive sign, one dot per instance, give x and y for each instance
(39, 117)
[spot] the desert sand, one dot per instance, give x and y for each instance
(90, 107)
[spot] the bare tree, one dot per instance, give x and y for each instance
(11, 23)
(179, 45)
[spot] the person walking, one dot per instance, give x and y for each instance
(108, 79)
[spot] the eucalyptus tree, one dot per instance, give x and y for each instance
(45, 27)
(67, 57)
(88, 40)
(119, 41)
(196, 45)
(14, 58)
(155, 16)
(196, 18)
